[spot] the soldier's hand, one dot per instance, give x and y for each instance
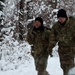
(32, 53)
(51, 55)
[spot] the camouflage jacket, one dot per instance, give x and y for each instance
(64, 35)
(39, 39)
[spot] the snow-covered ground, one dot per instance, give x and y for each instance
(53, 68)
(16, 60)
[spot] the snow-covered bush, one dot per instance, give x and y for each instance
(13, 54)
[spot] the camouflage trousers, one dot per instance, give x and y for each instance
(66, 59)
(43, 73)
(66, 66)
(41, 64)
(66, 70)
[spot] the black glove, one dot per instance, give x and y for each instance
(51, 55)
(32, 50)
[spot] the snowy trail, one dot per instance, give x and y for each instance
(53, 68)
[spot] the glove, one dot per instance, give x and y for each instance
(51, 55)
(32, 50)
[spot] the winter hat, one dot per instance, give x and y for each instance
(40, 20)
(61, 13)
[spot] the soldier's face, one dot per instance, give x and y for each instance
(61, 19)
(37, 24)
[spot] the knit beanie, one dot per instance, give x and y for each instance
(61, 13)
(39, 19)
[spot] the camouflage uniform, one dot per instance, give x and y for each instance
(40, 40)
(65, 36)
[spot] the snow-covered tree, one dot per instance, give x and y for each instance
(69, 5)
(1, 17)
(44, 9)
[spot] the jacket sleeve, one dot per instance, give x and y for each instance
(30, 37)
(47, 34)
(74, 40)
(52, 41)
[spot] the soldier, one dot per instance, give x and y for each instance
(38, 38)
(63, 32)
